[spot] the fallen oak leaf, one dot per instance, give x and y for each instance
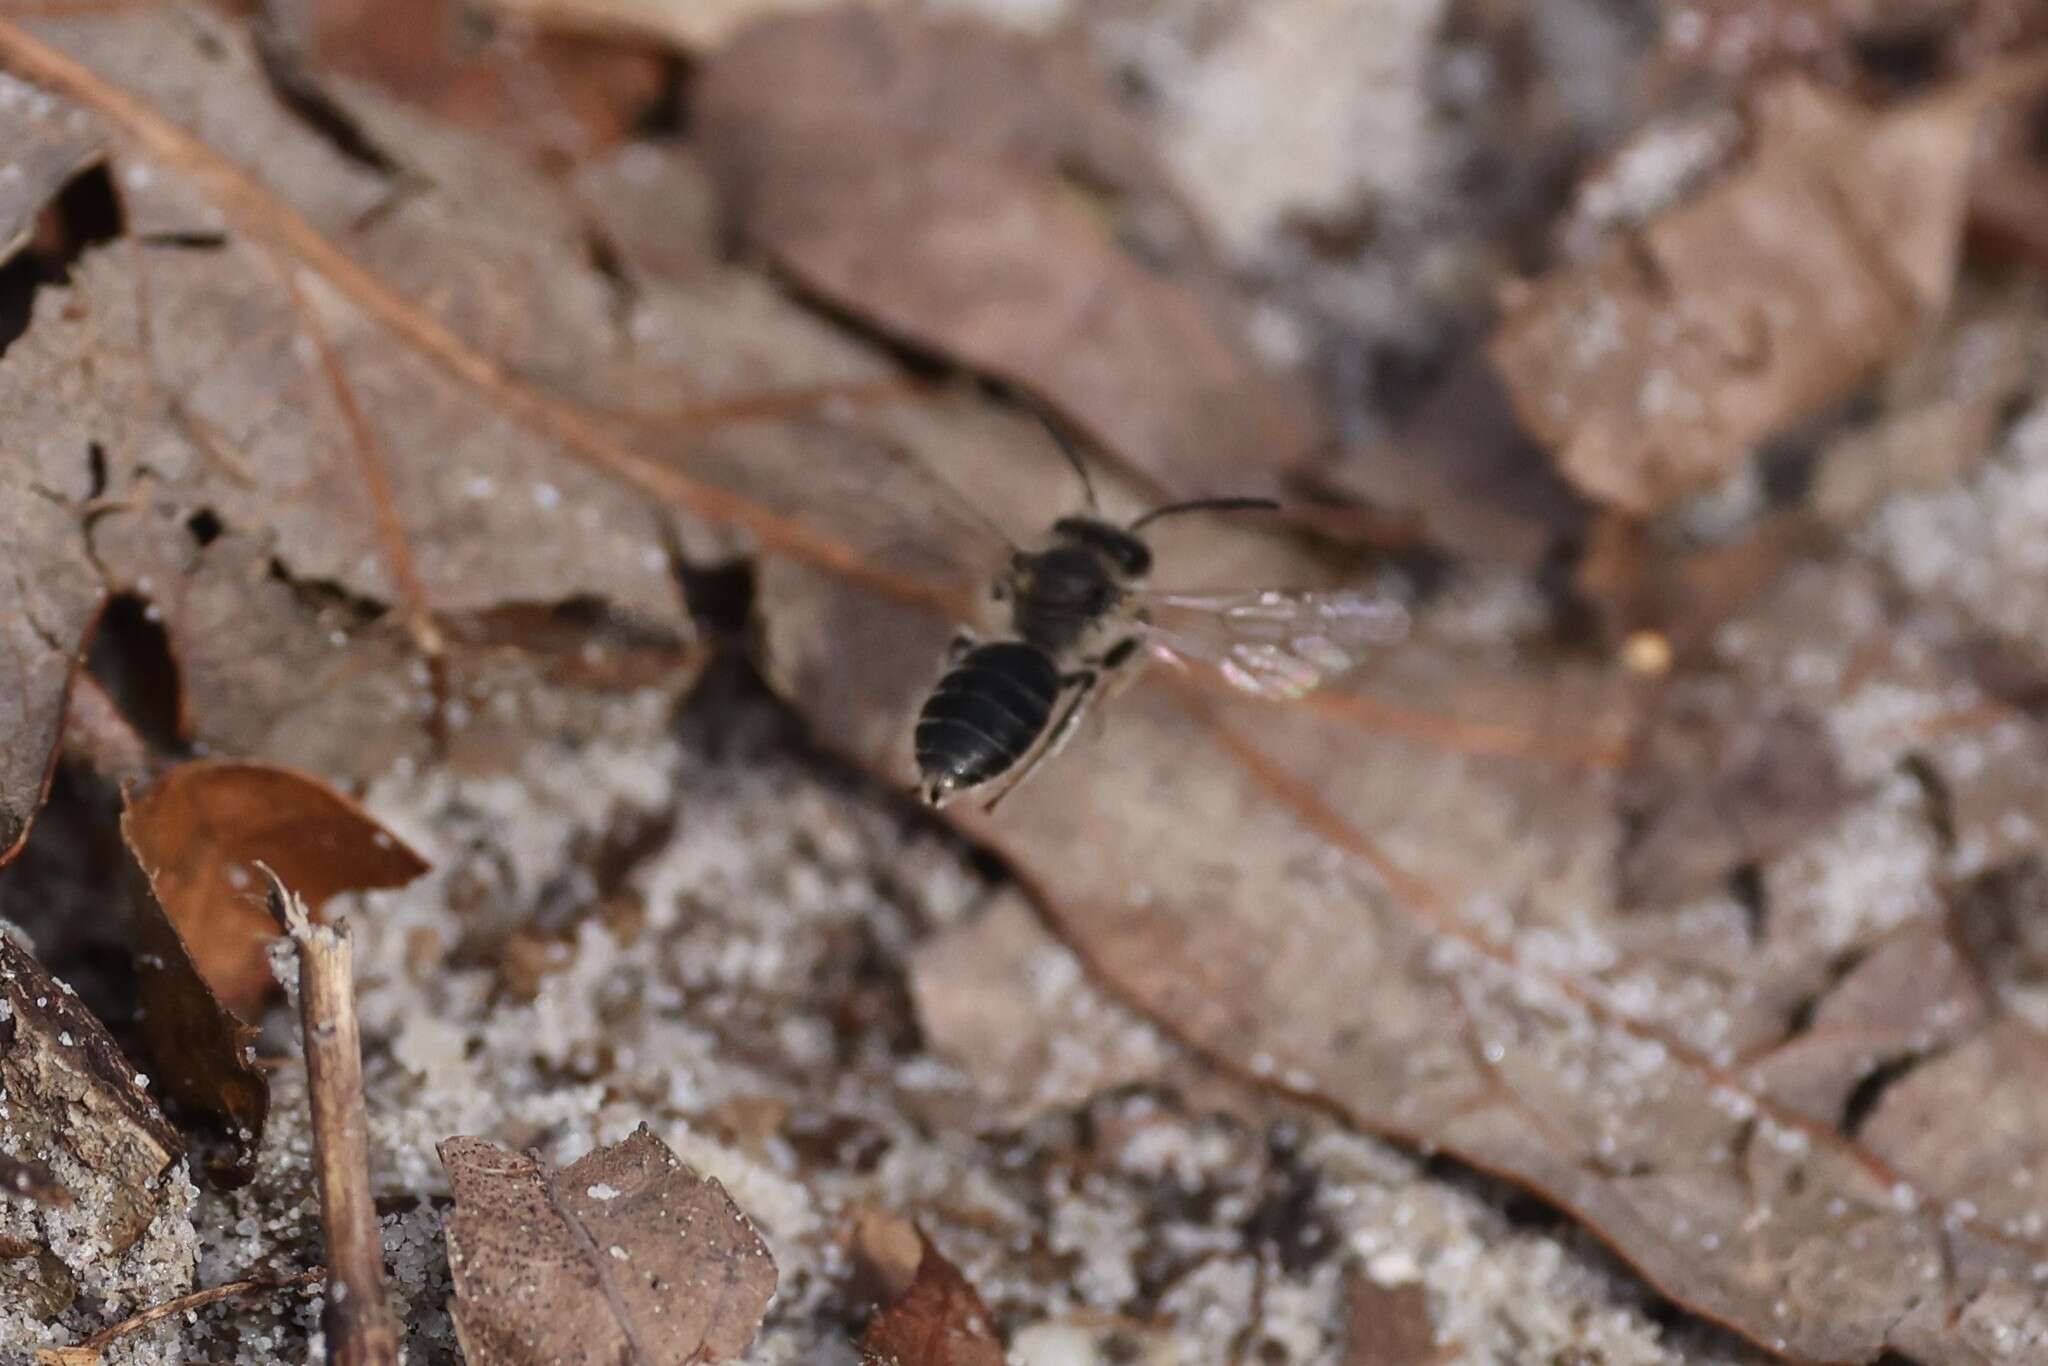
(47, 610)
(927, 174)
(624, 1255)
(199, 832)
(1651, 370)
(49, 603)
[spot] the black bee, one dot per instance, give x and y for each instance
(1079, 613)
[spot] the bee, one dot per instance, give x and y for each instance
(1080, 615)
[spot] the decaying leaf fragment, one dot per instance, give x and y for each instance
(933, 176)
(51, 596)
(73, 1106)
(199, 831)
(937, 1319)
(623, 1256)
(1651, 370)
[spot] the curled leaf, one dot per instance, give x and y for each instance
(198, 832)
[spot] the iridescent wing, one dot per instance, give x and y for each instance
(1273, 642)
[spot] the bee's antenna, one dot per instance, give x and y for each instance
(1206, 505)
(1066, 445)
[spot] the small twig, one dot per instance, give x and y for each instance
(361, 1329)
(89, 1352)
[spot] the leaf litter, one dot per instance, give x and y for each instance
(624, 1255)
(1399, 902)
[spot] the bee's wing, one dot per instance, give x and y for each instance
(1274, 642)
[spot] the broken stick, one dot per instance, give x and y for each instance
(94, 1349)
(361, 1329)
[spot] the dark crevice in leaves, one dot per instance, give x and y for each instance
(131, 658)
(67, 889)
(325, 593)
(720, 597)
(1746, 885)
(1935, 797)
(205, 526)
(194, 240)
(303, 97)
(1862, 1101)
(85, 214)
(610, 265)
(918, 363)
(96, 462)
(667, 116)
(1801, 1018)
(1900, 57)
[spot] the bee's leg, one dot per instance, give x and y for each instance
(1083, 682)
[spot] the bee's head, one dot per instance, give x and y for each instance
(1129, 556)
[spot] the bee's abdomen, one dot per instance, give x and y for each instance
(985, 713)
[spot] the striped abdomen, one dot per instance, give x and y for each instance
(984, 716)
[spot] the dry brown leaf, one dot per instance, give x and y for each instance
(327, 605)
(625, 1255)
(51, 599)
(1397, 898)
(201, 832)
(1388, 1325)
(76, 1108)
(561, 95)
(931, 175)
(1651, 370)
(938, 1321)
(47, 607)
